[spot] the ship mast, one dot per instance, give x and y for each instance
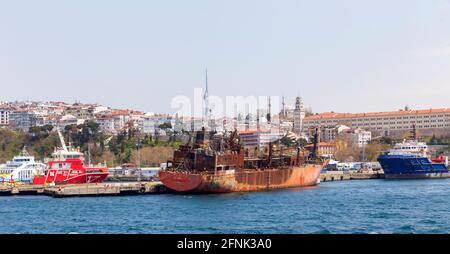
(316, 143)
(414, 133)
(89, 156)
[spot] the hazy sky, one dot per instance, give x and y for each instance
(348, 56)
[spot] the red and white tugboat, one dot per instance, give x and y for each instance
(67, 167)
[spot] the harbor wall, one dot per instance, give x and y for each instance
(138, 188)
(330, 176)
(80, 190)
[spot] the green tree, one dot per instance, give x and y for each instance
(287, 141)
(301, 142)
(165, 126)
(386, 140)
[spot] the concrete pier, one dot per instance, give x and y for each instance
(113, 178)
(106, 189)
(93, 189)
(138, 188)
(366, 176)
(341, 176)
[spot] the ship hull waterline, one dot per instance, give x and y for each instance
(412, 167)
(416, 176)
(241, 180)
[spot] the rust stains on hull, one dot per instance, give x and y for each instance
(242, 179)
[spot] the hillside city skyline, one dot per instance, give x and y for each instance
(315, 50)
(290, 104)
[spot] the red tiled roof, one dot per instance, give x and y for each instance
(104, 117)
(137, 113)
(120, 112)
(332, 115)
(126, 112)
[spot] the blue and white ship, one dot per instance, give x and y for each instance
(410, 160)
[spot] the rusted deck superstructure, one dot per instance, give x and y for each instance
(220, 164)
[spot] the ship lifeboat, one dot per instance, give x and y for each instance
(440, 159)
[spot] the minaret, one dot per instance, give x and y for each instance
(258, 126)
(269, 112)
(212, 121)
(224, 124)
(302, 113)
(247, 122)
(177, 123)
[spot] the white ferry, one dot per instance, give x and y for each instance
(22, 168)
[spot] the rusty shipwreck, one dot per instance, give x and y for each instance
(211, 163)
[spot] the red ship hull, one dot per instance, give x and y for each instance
(73, 179)
(71, 171)
(241, 180)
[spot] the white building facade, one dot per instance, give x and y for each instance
(4, 117)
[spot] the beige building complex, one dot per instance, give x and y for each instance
(394, 123)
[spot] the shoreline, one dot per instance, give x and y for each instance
(131, 186)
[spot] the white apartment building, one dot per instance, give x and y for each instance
(4, 117)
(68, 120)
(258, 139)
(22, 120)
(120, 120)
(362, 137)
(106, 123)
(151, 123)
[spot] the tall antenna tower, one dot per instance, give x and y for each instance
(206, 110)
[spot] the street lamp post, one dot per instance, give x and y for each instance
(364, 150)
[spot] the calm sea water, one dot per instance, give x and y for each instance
(371, 206)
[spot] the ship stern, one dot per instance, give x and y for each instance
(180, 181)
